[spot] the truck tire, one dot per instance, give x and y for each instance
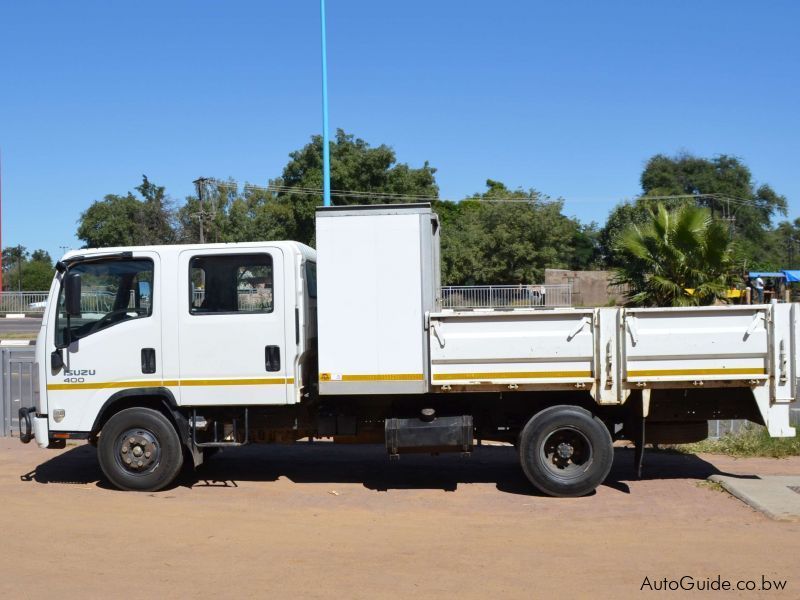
(565, 451)
(139, 450)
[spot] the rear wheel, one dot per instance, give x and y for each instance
(565, 451)
(140, 450)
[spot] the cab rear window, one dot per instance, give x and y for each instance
(231, 283)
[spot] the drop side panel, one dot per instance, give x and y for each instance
(520, 349)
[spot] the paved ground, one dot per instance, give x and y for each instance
(316, 521)
(777, 496)
(18, 325)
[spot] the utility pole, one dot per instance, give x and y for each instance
(19, 267)
(200, 184)
(326, 156)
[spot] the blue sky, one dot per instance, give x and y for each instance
(568, 97)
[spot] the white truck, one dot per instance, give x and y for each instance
(159, 355)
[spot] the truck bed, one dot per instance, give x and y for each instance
(611, 351)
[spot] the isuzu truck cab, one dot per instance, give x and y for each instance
(160, 355)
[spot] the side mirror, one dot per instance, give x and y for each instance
(56, 360)
(72, 294)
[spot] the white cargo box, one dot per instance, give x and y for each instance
(378, 276)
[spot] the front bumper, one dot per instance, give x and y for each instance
(33, 426)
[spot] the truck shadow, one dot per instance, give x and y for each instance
(369, 465)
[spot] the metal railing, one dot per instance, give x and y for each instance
(258, 299)
(506, 296)
(22, 302)
(92, 301)
(102, 301)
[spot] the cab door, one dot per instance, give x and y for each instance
(231, 327)
(113, 345)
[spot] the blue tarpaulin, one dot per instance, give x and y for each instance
(792, 276)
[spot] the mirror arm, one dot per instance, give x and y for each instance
(68, 333)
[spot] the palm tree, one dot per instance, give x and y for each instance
(677, 258)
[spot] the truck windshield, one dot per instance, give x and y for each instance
(112, 291)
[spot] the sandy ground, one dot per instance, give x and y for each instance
(323, 521)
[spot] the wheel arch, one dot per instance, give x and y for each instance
(156, 398)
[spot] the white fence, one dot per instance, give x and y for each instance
(258, 299)
(92, 301)
(506, 296)
(22, 302)
(102, 301)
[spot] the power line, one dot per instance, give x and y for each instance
(310, 191)
(512, 199)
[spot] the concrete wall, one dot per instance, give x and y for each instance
(589, 288)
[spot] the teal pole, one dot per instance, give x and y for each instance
(326, 152)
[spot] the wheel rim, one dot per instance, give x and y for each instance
(137, 451)
(566, 453)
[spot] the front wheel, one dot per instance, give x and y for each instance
(140, 450)
(565, 451)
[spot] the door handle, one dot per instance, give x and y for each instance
(148, 360)
(272, 358)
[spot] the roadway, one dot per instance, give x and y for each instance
(19, 325)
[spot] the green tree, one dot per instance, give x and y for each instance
(13, 257)
(624, 215)
(355, 165)
(722, 184)
(37, 276)
(286, 209)
(781, 250)
(586, 250)
(233, 216)
(676, 251)
(505, 236)
(42, 256)
(128, 221)
(26, 271)
(157, 213)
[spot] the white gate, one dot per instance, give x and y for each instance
(16, 386)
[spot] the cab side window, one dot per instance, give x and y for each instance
(231, 283)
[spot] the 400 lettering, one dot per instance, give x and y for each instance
(78, 375)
